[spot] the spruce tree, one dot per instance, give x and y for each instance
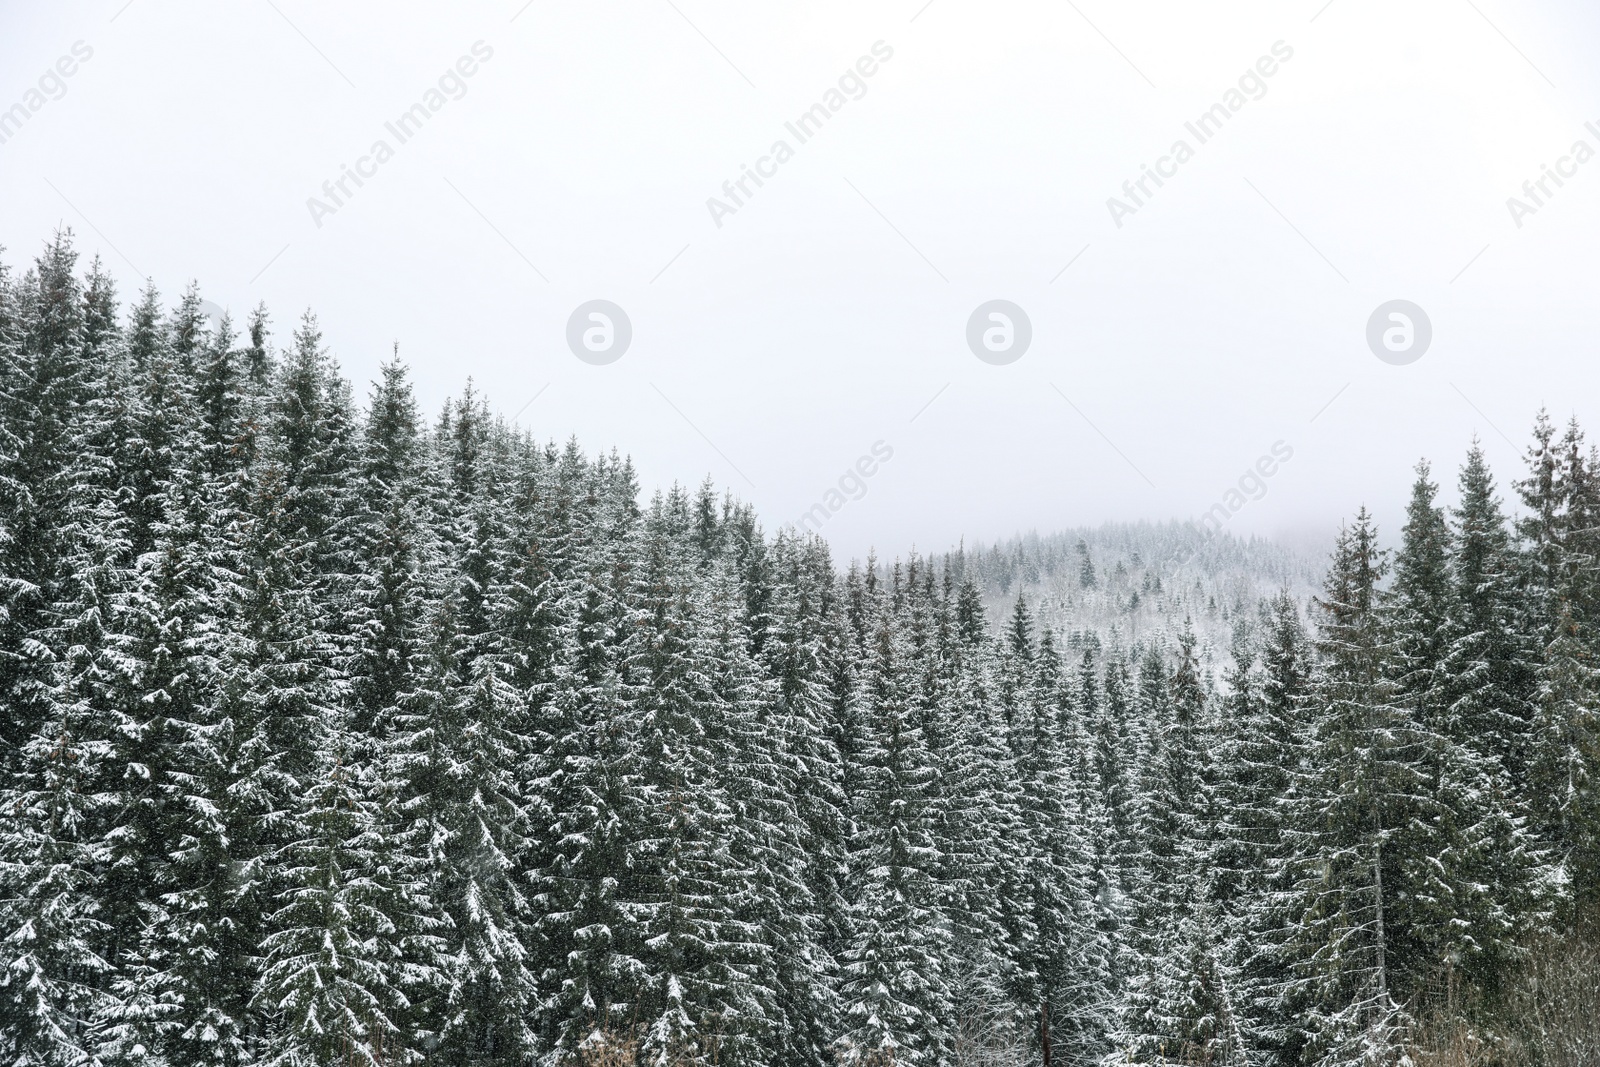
(896, 997)
(1364, 795)
(1489, 665)
(328, 983)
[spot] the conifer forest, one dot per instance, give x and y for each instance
(334, 731)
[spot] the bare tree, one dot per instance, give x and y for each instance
(988, 1032)
(1560, 1006)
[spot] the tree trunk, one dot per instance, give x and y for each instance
(1377, 882)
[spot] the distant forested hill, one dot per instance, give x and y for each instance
(1134, 581)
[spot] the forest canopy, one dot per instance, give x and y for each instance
(335, 733)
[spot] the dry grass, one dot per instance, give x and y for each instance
(605, 1049)
(1557, 1019)
(1452, 1045)
(1552, 1020)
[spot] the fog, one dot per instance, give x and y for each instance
(807, 336)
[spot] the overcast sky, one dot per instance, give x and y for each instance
(778, 341)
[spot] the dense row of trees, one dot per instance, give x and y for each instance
(332, 736)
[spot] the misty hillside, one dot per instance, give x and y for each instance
(1137, 582)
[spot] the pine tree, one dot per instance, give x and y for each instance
(459, 739)
(391, 551)
(1558, 558)
(1478, 714)
(1266, 761)
(1364, 791)
(51, 884)
(61, 551)
(1489, 666)
(280, 696)
(1118, 743)
(896, 1000)
(704, 1000)
(175, 864)
(328, 978)
(799, 657)
(1081, 982)
(1182, 1004)
(185, 845)
(980, 834)
(48, 382)
(1565, 772)
(590, 970)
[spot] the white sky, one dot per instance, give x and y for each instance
(825, 313)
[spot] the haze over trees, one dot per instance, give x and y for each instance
(331, 733)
